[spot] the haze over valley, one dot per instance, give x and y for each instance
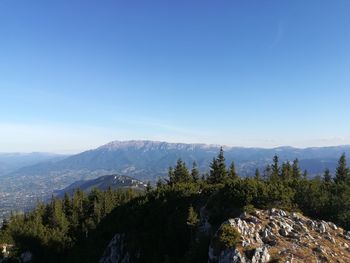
(37, 176)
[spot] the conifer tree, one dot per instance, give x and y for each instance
(57, 218)
(286, 171)
(327, 177)
(181, 173)
(342, 173)
(267, 172)
(232, 171)
(192, 218)
(296, 173)
(275, 169)
(170, 175)
(194, 172)
(108, 201)
(218, 170)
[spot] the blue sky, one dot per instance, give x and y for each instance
(77, 74)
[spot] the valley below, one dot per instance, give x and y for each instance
(148, 161)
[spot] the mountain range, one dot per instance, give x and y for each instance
(147, 161)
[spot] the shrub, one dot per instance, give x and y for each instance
(249, 209)
(228, 236)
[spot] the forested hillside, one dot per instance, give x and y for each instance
(165, 224)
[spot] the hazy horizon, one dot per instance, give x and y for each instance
(76, 151)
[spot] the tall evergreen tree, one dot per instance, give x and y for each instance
(286, 171)
(194, 172)
(327, 177)
(232, 171)
(296, 173)
(57, 218)
(67, 206)
(192, 218)
(267, 172)
(275, 169)
(218, 170)
(181, 173)
(171, 176)
(342, 173)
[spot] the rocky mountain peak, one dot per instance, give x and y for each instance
(153, 145)
(278, 236)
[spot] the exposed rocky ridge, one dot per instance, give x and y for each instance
(279, 236)
(266, 236)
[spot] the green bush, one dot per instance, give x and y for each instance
(249, 209)
(228, 236)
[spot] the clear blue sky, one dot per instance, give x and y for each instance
(76, 74)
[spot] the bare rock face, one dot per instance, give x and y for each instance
(284, 237)
(116, 251)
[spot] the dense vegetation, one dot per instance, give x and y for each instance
(162, 225)
(50, 230)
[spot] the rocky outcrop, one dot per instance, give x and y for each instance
(116, 251)
(283, 237)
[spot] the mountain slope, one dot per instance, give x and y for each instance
(149, 159)
(10, 162)
(146, 161)
(103, 183)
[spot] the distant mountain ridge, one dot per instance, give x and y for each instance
(149, 161)
(10, 162)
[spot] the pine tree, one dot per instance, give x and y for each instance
(342, 173)
(194, 172)
(296, 173)
(275, 169)
(181, 173)
(232, 171)
(192, 218)
(327, 177)
(275, 166)
(77, 210)
(57, 218)
(171, 176)
(218, 171)
(267, 172)
(108, 202)
(97, 212)
(286, 171)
